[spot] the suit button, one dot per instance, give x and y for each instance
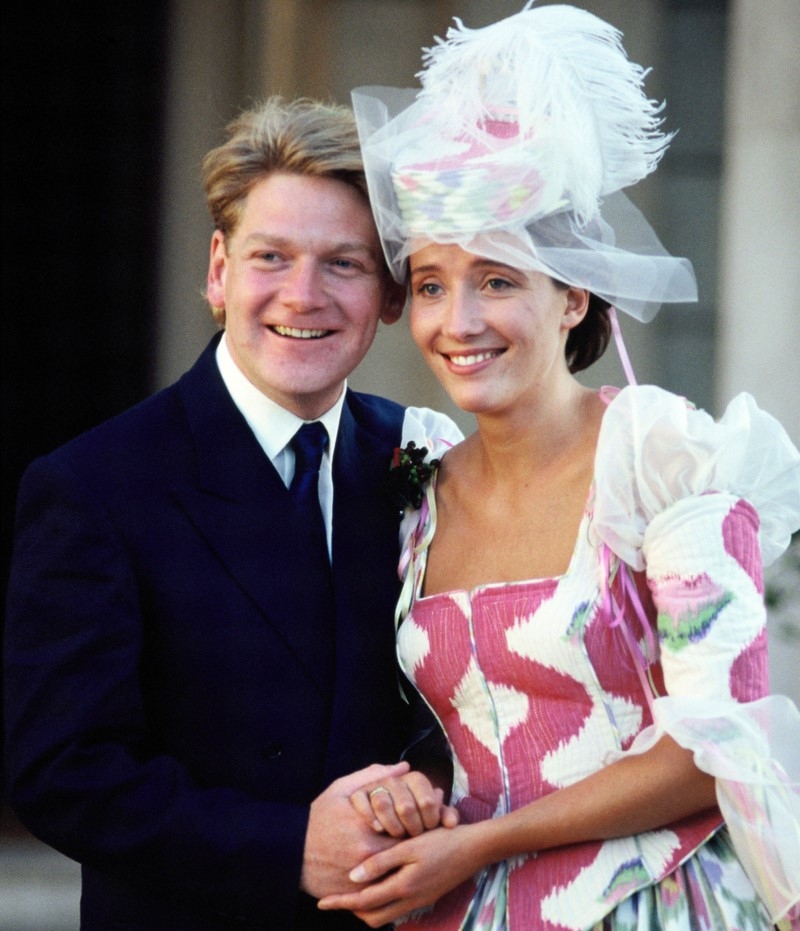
(272, 751)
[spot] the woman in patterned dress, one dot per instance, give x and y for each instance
(583, 600)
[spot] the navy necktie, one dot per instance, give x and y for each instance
(309, 444)
(316, 617)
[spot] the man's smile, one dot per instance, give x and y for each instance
(297, 333)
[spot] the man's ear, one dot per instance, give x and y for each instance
(576, 307)
(217, 265)
(394, 300)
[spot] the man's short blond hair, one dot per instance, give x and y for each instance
(302, 137)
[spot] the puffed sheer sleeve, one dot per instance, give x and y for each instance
(700, 505)
(656, 450)
(431, 429)
(436, 433)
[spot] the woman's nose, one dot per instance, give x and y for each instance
(463, 316)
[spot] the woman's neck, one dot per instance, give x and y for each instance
(539, 436)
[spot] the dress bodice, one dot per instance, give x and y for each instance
(534, 688)
(526, 678)
(538, 683)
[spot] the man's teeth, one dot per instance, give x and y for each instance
(474, 359)
(299, 334)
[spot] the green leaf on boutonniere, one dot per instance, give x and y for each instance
(409, 474)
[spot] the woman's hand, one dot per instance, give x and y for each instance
(403, 806)
(337, 839)
(412, 874)
(640, 792)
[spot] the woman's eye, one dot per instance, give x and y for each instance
(498, 284)
(429, 290)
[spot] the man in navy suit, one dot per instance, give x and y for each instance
(191, 696)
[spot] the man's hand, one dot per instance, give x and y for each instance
(338, 837)
(415, 873)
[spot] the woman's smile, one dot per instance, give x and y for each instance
(468, 360)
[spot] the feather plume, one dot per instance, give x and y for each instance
(561, 74)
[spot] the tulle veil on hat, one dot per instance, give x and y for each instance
(517, 146)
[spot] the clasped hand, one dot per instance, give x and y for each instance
(344, 830)
(405, 874)
(403, 805)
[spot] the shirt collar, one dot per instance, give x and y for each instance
(272, 424)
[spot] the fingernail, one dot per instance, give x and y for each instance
(358, 875)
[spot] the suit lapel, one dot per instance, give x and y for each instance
(242, 509)
(365, 554)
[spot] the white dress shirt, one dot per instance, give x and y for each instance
(274, 427)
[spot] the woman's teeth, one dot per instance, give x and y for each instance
(475, 358)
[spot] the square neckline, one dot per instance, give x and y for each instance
(606, 393)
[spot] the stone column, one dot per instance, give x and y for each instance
(759, 313)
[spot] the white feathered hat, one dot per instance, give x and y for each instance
(517, 147)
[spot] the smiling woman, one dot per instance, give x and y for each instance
(483, 326)
(582, 604)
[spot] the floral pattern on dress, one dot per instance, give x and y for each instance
(691, 607)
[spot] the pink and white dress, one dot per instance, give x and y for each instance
(657, 626)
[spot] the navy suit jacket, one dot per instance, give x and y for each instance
(173, 703)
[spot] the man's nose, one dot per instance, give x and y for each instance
(302, 288)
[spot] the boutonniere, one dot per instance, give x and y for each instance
(409, 474)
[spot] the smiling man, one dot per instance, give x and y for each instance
(302, 283)
(193, 690)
